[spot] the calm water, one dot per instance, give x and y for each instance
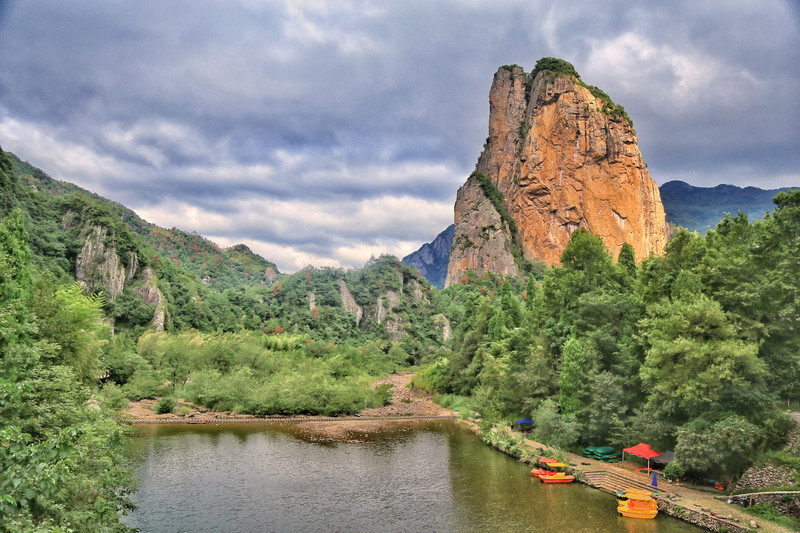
(435, 476)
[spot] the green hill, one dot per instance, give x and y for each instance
(217, 267)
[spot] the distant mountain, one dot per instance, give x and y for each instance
(687, 206)
(701, 208)
(431, 259)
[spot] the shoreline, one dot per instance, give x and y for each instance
(692, 506)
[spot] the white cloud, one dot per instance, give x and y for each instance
(337, 234)
(45, 147)
(677, 77)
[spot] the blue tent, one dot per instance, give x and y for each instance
(526, 422)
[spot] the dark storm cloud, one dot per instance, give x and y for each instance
(325, 132)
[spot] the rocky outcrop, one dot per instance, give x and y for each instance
(563, 157)
(151, 295)
(415, 291)
(482, 240)
(432, 258)
(312, 302)
(441, 323)
(349, 303)
(99, 264)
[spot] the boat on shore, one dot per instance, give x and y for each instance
(638, 504)
(549, 467)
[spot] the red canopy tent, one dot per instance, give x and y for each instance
(641, 450)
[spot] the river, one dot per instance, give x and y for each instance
(434, 476)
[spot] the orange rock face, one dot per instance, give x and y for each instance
(562, 163)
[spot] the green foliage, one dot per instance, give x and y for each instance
(60, 456)
(164, 406)
(553, 428)
(674, 470)
(695, 365)
(627, 259)
(608, 106)
(768, 511)
(553, 64)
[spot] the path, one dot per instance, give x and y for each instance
(616, 476)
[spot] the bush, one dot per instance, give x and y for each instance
(164, 406)
(674, 470)
(556, 65)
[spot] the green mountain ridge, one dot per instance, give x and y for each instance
(217, 267)
(207, 288)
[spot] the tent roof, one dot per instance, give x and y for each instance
(665, 458)
(642, 450)
(525, 422)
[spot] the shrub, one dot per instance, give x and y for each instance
(556, 65)
(164, 406)
(674, 470)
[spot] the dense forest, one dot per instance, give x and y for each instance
(687, 351)
(97, 308)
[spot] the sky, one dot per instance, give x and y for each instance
(326, 132)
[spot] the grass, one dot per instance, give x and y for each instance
(768, 512)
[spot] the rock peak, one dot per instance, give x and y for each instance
(562, 156)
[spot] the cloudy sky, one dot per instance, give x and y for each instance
(322, 132)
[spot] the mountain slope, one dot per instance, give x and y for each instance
(216, 267)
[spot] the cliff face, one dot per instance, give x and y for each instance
(482, 240)
(562, 162)
(99, 264)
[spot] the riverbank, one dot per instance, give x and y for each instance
(408, 406)
(677, 500)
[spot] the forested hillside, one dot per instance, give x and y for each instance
(218, 268)
(92, 316)
(688, 351)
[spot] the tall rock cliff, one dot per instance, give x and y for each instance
(562, 156)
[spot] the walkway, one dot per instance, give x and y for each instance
(612, 477)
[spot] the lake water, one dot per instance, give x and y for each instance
(433, 476)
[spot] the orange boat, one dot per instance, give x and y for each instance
(639, 504)
(558, 477)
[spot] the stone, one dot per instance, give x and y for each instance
(561, 163)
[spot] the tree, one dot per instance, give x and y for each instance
(578, 363)
(627, 259)
(696, 365)
(722, 447)
(553, 428)
(60, 457)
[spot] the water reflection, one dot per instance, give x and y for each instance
(433, 477)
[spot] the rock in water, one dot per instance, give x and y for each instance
(562, 156)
